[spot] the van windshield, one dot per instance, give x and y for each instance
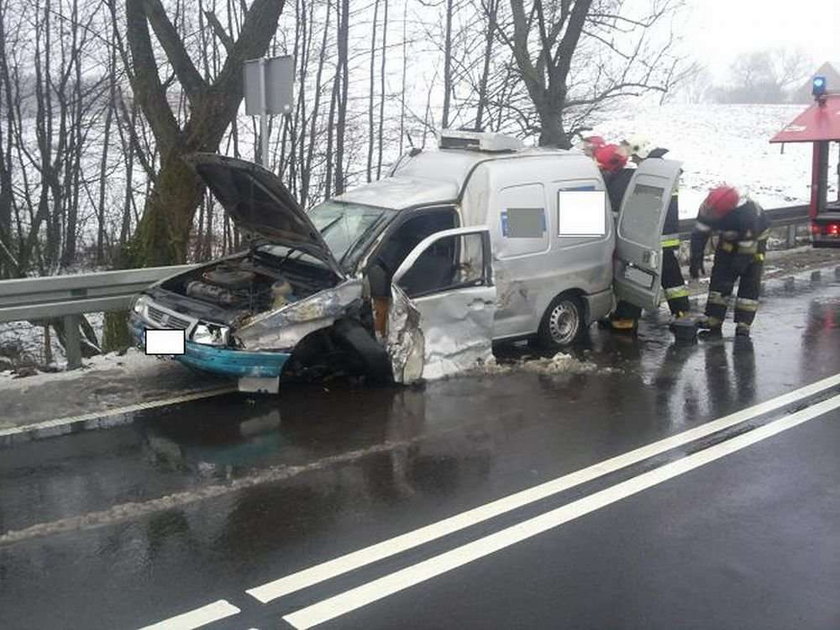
(346, 227)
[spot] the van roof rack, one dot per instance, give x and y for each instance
(478, 141)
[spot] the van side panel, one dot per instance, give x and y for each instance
(531, 270)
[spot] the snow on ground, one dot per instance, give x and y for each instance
(133, 361)
(23, 344)
(556, 365)
(730, 143)
(105, 383)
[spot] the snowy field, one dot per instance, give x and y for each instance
(729, 143)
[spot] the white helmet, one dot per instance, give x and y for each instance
(637, 146)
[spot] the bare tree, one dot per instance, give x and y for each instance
(163, 234)
(449, 12)
(490, 11)
(574, 56)
(765, 76)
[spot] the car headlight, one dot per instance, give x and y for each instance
(211, 334)
(139, 304)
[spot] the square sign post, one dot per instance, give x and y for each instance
(268, 92)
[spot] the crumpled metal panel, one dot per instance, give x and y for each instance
(454, 337)
(458, 338)
(283, 328)
(405, 341)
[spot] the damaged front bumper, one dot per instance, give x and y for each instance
(219, 360)
(266, 341)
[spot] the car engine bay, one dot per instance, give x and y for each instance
(251, 283)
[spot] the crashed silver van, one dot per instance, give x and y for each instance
(474, 244)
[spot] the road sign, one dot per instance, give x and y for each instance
(268, 92)
(273, 77)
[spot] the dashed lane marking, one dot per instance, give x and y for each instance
(375, 590)
(379, 551)
(104, 418)
(197, 618)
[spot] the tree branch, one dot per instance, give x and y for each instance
(174, 48)
(145, 82)
(219, 30)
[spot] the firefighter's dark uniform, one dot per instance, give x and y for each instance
(673, 284)
(739, 256)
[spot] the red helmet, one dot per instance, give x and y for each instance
(591, 144)
(722, 200)
(610, 158)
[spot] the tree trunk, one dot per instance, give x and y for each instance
(163, 235)
(492, 9)
(552, 131)
(447, 66)
(103, 167)
(381, 132)
(341, 128)
(371, 90)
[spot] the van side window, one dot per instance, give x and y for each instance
(401, 241)
(641, 213)
(522, 221)
(449, 263)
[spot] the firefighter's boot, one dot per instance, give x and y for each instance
(710, 334)
(624, 325)
(710, 328)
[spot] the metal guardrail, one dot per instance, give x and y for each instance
(58, 296)
(779, 217)
(68, 297)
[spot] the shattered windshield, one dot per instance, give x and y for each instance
(346, 227)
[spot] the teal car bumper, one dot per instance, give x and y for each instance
(224, 361)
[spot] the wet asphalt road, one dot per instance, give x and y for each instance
(198, 503)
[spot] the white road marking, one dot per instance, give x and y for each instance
(59, 423)
(198, 617)
(362, 557)
(377, 589)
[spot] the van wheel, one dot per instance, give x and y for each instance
(562, 323)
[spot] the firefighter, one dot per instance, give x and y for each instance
(626, 315)
(743, 229)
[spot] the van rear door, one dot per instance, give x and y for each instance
(443, 305)
(638, 260)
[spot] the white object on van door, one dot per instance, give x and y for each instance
(581, 213)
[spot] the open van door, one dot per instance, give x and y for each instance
(443, 306)
(638, 252)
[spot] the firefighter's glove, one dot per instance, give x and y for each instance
(696, 269)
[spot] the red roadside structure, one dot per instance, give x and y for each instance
(819, 125)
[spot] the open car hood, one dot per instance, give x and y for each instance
(258, 203)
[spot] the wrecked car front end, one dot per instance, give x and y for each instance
(238, 341)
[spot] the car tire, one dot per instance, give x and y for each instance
(563, 323)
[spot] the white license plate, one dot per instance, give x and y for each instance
(164, 341)
(639, 276)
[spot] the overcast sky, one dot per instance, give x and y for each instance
(716, 31)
